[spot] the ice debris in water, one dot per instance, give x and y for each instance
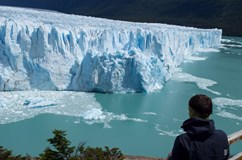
(28, 104)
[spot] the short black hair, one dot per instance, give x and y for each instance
(202, 105)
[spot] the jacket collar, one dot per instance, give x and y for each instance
(198, 127)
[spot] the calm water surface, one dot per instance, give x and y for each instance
(142, 124)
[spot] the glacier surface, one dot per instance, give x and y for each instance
(44, 50)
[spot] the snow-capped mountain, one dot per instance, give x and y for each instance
(46, 50)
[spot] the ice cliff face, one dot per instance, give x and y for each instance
(52, 51)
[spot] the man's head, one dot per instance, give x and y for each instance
(200, 106)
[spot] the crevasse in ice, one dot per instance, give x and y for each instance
(44, 50)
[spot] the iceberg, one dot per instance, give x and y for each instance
(45, 50)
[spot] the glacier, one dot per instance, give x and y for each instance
(47, 50)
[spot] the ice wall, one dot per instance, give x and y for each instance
(46, 50)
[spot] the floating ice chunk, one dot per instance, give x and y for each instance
(223, 102)
(150, 113)
(226, 107)
(38, 103)
(226, 114)
(177, 120)
(202, 83)
(207, 50)
(232, 46)
(162, 132)
(227, 43)
(226, 40)
(192, 58)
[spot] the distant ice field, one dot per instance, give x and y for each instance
(40, 17)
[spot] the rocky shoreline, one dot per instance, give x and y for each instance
(128, 157)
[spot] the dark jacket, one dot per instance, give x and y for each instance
(200, 142)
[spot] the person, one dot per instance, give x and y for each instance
(201, 141)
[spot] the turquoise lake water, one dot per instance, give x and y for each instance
(138, 123)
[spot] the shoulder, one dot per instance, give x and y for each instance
(183, 136)
(220, 133)
(220, 137)
(183, 139)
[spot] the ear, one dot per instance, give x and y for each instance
(192, 113)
